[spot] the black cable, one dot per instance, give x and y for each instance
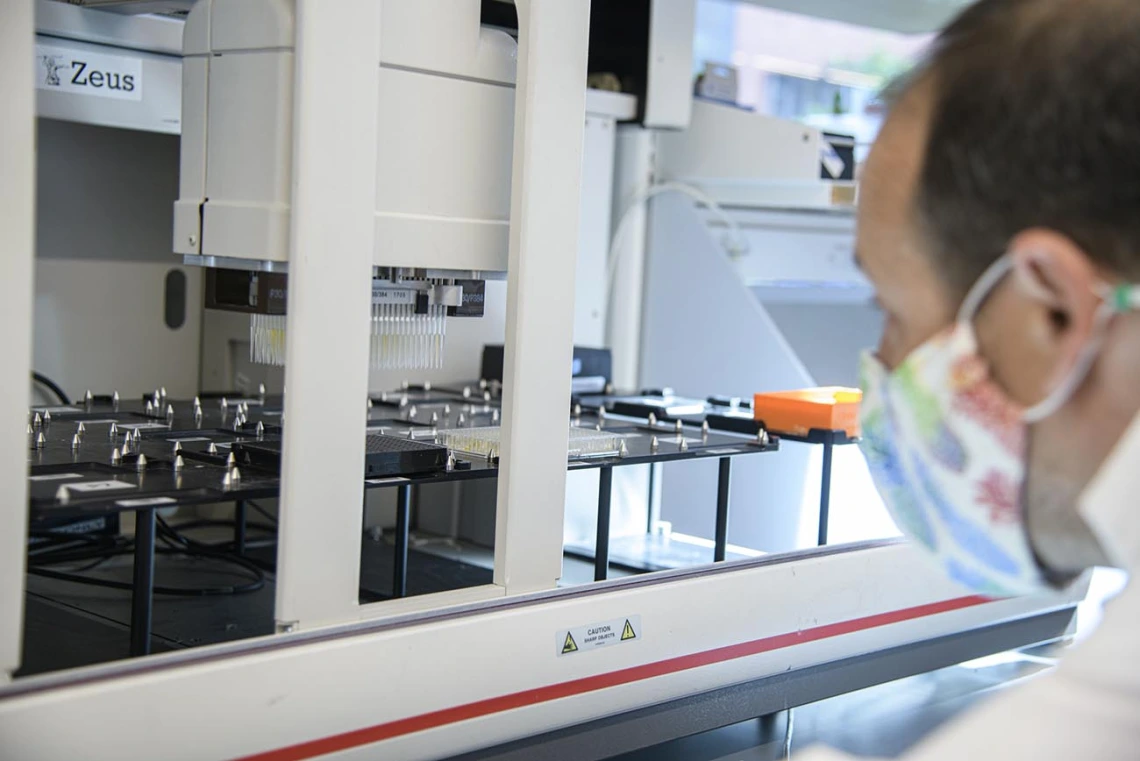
(252, 586)
(52, 386)
(103, 548)
(272, 518)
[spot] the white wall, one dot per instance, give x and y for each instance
(103, 250)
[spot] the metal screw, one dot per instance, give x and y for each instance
(193, 240)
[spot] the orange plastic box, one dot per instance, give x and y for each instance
(798, 412)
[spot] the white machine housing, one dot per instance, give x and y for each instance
(444, 137)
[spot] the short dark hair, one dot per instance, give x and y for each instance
(1035, 122)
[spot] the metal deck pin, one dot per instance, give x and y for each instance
(116, 456)
(140, 464)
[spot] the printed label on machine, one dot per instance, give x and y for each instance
(145, 502)
(82, 72)
(584, 638)
(93, 486)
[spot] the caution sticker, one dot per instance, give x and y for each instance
(584, 638)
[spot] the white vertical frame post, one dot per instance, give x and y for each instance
(550, 105)
(17, 233)
(336, 91)
(633, 175)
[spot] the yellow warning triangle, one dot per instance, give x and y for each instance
(570, 646)
(628, 632)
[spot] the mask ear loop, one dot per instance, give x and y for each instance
(1080, 370)
(981, 290)
(1114, 302)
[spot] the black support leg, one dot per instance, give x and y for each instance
(602, 545)
(142, 593)
(403, 527)
(825, 489)
(720, 547)
(239, 527)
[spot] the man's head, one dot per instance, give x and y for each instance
(1021, 135)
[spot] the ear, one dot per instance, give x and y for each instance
(1053, 273)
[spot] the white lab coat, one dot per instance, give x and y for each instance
(1089, 707)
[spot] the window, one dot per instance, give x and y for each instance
(825, 73)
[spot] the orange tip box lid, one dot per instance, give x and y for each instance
(832, 408)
